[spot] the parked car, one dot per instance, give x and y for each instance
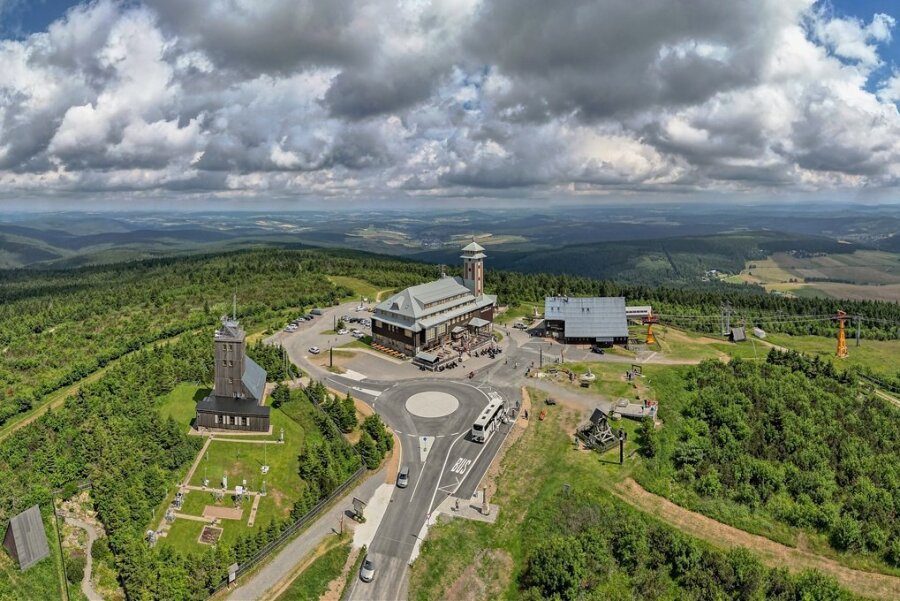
(358, 335)
(403, 477)
(367, 571)
(343, 331)
(597, 349)
(520, 326)
(315, 350)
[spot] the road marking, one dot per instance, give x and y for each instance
(444, 467)
(461, 465)
(398, 431)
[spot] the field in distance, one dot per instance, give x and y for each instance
(862, 275)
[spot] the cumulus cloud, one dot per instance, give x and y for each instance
(419, 97)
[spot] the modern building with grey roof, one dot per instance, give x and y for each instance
(236, 402)
(587, 320)
(423, 317)
(26, 539)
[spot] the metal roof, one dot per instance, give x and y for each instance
(427, 357)
(474, 304)
(410, 303)
(588, 317)
(477, 322)
(28, 537)
(738, 334)
(253, 379)
(232, 405)
(473, 247)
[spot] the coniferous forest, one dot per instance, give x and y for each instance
(792, 439)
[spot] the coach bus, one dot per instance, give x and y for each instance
(489, 420)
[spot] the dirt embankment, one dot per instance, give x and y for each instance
(868, 584)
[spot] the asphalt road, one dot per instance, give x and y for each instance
(453, 465)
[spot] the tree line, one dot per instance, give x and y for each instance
(793, 439)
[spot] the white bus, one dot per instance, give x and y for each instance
(489, 419)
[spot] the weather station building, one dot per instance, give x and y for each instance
(236, 402)
(595, 320)
(426, 316)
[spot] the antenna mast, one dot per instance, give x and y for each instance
(234, 307)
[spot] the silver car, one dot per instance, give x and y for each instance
(403, 477)
(367, 571)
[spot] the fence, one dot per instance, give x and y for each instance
(293, 528)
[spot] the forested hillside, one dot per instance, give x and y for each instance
(58, 326)
(791, 440)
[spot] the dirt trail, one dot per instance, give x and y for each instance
(86, 587)
(868, 584)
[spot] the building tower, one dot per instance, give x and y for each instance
(473, 268)
(229, 359)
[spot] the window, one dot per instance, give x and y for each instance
(216, 419)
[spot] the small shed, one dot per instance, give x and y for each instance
(759, 333)
(426, 360)
(26, 539)
(738, 335)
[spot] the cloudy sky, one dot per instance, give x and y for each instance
(415, 99)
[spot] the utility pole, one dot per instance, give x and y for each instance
(858, 321)
(541, 363)
(621, 446)
(331, 356)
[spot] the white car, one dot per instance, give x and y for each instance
(291, 328)
(343, 331)
(357, 335)
(315, 350)
(367, 571)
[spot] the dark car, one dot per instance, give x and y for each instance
(597, 349)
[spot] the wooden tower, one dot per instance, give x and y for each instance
(842, 351)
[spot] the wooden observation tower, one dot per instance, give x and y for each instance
(649, 320)
(841, 318)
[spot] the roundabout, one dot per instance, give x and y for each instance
(430, 404)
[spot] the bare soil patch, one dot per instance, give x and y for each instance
(209, 535)
(224, 513)
(868, 584)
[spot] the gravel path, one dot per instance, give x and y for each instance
(86, 587)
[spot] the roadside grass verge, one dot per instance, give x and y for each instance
(313, 581)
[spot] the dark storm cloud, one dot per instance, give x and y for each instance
(447, 98)
(601, 58)
(272, 35)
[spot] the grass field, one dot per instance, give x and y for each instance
(361, 288)
(313, 582)
(243, 461)
(859, 276)
(181, 402)
(879, 355)
(522, 310)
